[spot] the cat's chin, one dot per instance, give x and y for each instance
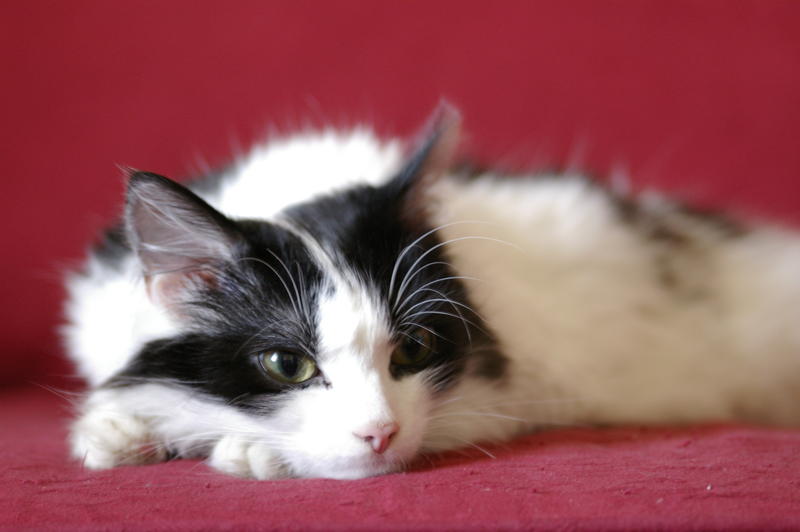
(361, 471)
(355, 468)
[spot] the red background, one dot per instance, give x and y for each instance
(701, 98)
(697, 98)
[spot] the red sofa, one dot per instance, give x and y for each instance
(697, 98)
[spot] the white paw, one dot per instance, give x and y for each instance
(102, 438)
(244, 458)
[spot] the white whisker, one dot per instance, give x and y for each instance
(430, 250)
(291, 278)
(280, 278)
(409, 297)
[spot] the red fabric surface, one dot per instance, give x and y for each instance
(724, 477)
(698, 98)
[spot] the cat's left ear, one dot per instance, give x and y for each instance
(180, 239)
(433, 151)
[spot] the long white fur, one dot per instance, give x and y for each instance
(568, 288)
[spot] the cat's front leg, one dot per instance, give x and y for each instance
(108, 435)
(237, 455)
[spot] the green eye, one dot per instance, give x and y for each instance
(289, 368)
(415, 349)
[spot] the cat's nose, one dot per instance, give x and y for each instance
(378, 435)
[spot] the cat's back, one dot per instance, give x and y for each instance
(619, 300)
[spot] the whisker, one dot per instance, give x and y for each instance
(73, 398)
(304, 290)
(409, 248)
(450, 314)
(280, 278)
(430, 250)
(413, 244)
(478, 447)
(413, 273)
(443, 298)
(289, 274)
(439, 280)
(478, 414)
(454, 304)
(414, 324)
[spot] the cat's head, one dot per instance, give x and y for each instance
(336, 328)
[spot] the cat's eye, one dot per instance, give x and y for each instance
(286, 367)
(415, 349)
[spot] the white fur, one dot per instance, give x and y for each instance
(578, 308)
(109, 318)
(568, 288)
(288, 171)
(354, 357)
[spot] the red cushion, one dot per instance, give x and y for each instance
(722, 477)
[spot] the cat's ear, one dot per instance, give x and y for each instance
(179, 238)
(434, 149)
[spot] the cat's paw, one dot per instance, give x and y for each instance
(241, 457)
(101, 439)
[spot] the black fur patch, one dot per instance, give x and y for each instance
(679, 234)
(210, 182)
(113, 247)
(656, 226)
(254, 305)
(366, 229)
(723, 224)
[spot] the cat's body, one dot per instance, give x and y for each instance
(425, 311)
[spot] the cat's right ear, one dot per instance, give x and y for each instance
(431, 156)
(180, 239)
(434, 149)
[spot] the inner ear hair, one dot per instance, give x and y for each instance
(179, 239)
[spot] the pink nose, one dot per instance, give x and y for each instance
(378, 436)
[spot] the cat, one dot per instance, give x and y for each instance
(334, 305)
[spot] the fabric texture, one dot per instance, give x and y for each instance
(701, 478)
(699, 99)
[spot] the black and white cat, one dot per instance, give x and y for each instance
(327, 307)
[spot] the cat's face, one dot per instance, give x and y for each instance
(365, 411)
(336, 330)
